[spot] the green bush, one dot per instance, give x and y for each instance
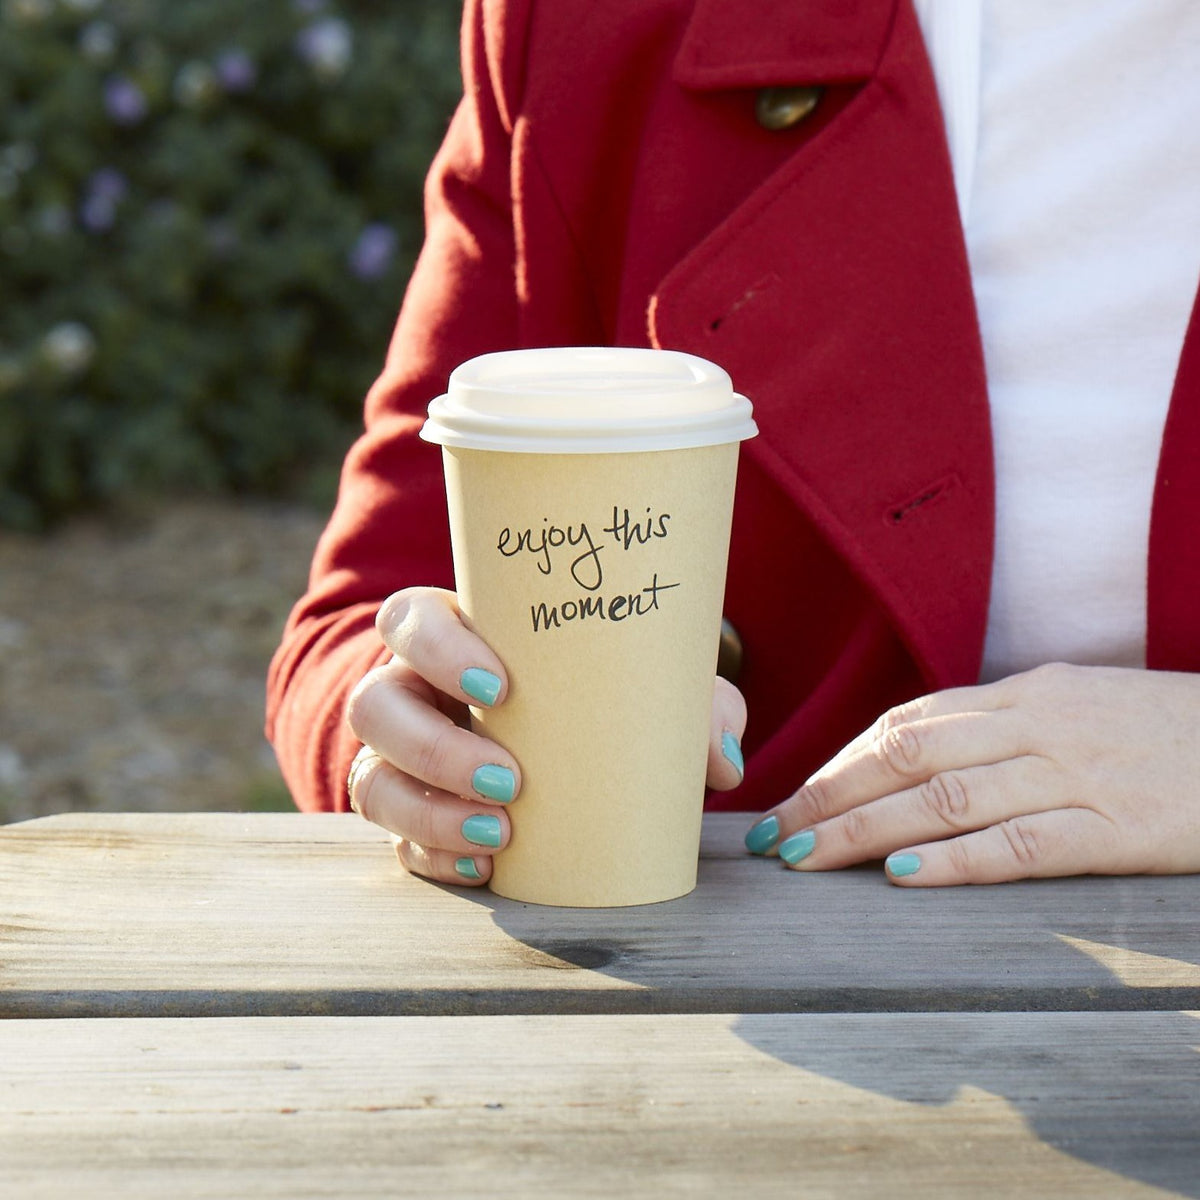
(208, 209)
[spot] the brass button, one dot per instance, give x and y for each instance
(783, 107)
(730, 653)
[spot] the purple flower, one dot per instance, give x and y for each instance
(327, 46)
(124, 100)
(98, 214)
(108, 182)
(372, 252)
(106, 188)
(236, 71)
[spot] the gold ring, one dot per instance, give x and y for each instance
(364, 762)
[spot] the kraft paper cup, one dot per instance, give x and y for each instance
(590, 495)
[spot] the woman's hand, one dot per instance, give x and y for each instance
(1062, 770)
(440, 789)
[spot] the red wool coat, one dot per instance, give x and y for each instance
(605, 181)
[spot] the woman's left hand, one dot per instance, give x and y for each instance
(1062, 770)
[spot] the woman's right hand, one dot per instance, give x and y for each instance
(440, 789)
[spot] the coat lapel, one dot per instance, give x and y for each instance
(838, 296)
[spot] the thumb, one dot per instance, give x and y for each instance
(725, 766)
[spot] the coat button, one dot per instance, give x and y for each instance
(783, 107)
(730, 653)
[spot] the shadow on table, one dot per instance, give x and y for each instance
(1121, 1094)
(1111, 1075)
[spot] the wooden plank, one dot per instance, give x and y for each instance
(816, 1105)
(223, 914)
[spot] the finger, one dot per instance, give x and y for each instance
(946, 805)
(984, 698)
(424, 627)
(888, 759)
(725, 763)
(465, 870)
(904, 755)
(1063, 841)
(432, 819)
(391, 711)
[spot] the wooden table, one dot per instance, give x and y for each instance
(222, 1005)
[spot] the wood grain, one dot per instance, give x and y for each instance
(278, 914)
(814, 1105)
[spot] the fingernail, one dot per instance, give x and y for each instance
(482, 831)
(761, 837)
(482, 686)
(496, 783)
(902, 864)
(731, 748)
(467, 869)
(798, 846)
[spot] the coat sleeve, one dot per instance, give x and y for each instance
(389, 528)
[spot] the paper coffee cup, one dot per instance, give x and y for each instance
(590, 493)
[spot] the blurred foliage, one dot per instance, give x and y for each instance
(208, 211)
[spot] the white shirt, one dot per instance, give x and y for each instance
(1074, 130)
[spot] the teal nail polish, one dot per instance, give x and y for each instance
(798, 846)
(482, 686)
(731, 748)
(467, 869)
(903, 864)
(496, 783)
(482, 831)
(761, 837)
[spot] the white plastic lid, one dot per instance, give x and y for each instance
(588, 400)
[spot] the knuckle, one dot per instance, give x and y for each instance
(434, 756)
(903, 714)
(438, 642)
(945, 796)
(362, 703)
(1048, 678)
(900, 749)
(414, 857)
(422, 825)
(817, 800)
(959, 858)
(855, 827)
(1023, 840)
